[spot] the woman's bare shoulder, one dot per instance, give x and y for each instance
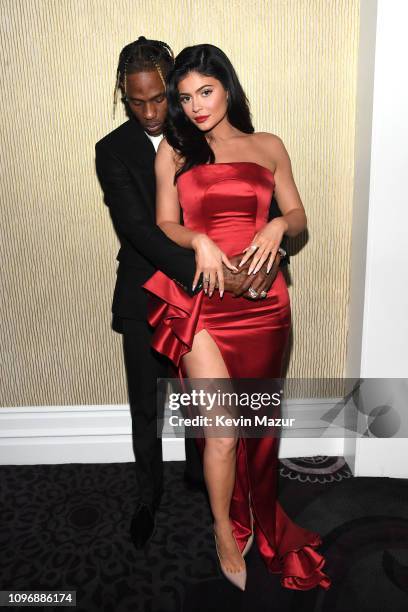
(166, 153)
(267, 139)
(164, 163)
(272, 147)
(165, 150)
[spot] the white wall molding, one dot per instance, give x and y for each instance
(102, 434)
(378, 324)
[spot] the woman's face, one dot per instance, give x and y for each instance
(203, 99)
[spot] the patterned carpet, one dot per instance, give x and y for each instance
(66, 527)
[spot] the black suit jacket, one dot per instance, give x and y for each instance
(125, 168)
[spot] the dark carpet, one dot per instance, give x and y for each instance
(67, 527)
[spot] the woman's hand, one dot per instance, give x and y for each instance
(265, 244)
(209, 260)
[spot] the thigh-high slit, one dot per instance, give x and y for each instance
(251, 337)
(230, 202)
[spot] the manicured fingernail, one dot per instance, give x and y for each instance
(193, 287)
(221, 293)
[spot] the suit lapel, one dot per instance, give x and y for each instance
(143, 145)
(141, 155)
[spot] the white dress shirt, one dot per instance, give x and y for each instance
(156, 140)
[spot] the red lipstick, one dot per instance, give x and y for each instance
(201, 119)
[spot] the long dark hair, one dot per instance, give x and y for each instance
(180, 132)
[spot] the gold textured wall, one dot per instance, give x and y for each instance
(297, 61)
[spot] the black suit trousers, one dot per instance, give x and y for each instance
(143, 366)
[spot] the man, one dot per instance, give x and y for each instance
(125, 168)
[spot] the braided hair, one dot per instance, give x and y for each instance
(142, 55)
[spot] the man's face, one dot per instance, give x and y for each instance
(146, 98)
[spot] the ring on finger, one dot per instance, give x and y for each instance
(263, 294)
(252, 293)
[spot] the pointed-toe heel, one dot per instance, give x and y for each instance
(248, 545)
(250, 540)
(238, 579)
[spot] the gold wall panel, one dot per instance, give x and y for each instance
(297, 61)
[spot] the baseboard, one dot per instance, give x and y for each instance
(102, 434)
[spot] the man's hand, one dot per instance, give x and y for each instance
(239, 283)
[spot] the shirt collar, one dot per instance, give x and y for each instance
(155, 140)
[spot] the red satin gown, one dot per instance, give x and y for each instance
(230, 202)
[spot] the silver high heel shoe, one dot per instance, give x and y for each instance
(250, 540)
(238, 579)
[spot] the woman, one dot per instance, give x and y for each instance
(222, 175)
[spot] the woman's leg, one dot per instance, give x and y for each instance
(205, 361)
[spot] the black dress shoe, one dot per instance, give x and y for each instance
(142, 526)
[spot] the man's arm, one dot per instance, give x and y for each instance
(131, 220)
